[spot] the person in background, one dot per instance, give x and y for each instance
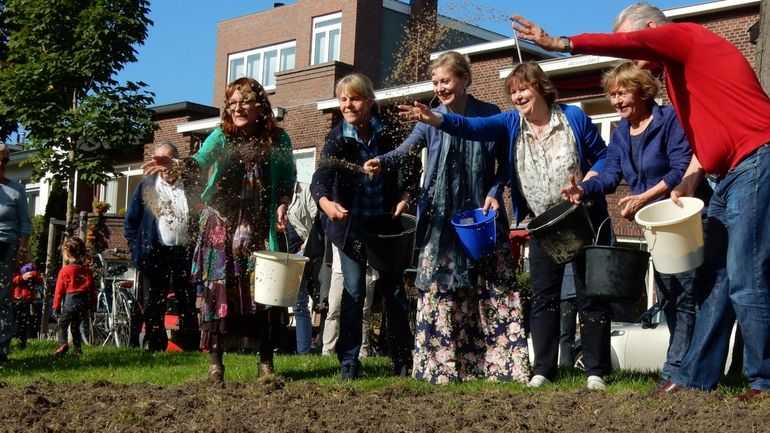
(331, 328)
(649, 150)
(302, 212)
(160, 234)
(347, 199)
(15, 225)
(75, 295)
(730, 137)
(548, 142)
(469, 320)
(25, 293)
(247, 196)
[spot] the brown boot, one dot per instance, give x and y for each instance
(266, 369)
(217, 374)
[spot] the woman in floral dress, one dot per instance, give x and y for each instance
(246, 197)
(549, 142)
(469, 320)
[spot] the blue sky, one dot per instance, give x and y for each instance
(177, 59)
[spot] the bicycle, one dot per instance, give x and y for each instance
(110, 322)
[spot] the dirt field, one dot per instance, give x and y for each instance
(272, 406)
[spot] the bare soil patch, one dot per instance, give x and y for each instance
(274, 406)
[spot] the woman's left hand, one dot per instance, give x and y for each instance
(630, 205)
(282, 215)
(490, 202)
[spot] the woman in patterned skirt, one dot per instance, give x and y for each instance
(246, 197)
(469, 321)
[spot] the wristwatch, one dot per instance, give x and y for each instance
(566, 45)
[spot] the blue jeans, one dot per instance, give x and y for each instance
(7, 263)
(738, 257)
(400, 340)
(676, 290)
(304, 328)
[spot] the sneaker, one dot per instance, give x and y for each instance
(595, 383)
(538, 381)
(62, 349)
(348, 372)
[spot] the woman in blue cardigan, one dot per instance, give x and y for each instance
(649, 149)
(469, 320)
(547, 143)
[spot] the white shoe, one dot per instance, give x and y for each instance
(595, 383)
(538, 381)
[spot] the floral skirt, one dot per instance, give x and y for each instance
(470, 333)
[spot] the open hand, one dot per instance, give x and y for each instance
(157, 164)
(572, 193)
(530, 31)
(419, 113)
(630, 205)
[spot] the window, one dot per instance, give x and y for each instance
(117, 192)
(262, 64)
(326, 38)
(304, 160)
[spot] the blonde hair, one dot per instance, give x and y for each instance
(357, 84)
(530, 75)
(457, 63)
(633, 78)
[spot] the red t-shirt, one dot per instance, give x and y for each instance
(72, 279)
(716, 94)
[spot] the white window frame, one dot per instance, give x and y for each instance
(305, 153)
(110, 195)
(259, 75)
(326, 29)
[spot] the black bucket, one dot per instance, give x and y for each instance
(563, 230)
(616, 274)
(389, 242)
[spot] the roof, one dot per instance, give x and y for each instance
(186, 106)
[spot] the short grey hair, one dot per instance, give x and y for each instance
(638, 15)
(165, 144)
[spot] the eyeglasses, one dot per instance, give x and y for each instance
(246, 104)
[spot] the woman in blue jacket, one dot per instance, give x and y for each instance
(547, 143)
(347, 198)
(460, 333)
(649, 149)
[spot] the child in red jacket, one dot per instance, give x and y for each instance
(25, 284)
(74, 295)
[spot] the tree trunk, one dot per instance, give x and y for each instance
(763, 46)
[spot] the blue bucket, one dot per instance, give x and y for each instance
(476, 231)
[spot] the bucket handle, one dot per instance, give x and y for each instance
(599, 231)
(654, 237)
(614, 240)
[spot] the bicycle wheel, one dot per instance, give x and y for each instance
(121, 324)
(96, 330)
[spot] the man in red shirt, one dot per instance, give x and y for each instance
(724, 111)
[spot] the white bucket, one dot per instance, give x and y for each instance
(674, 234)
(277, 277)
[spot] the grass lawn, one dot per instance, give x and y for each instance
(130, 365)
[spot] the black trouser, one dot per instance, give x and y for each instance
(74, 311)
(168, 269)
(24, 318)
(545, 317)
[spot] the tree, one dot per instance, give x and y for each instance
(56, 81)
(763, 45)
